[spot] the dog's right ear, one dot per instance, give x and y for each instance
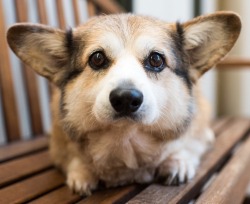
(41, 47)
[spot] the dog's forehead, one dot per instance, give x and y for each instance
(116, 32)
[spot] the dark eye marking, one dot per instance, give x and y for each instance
(98, 60)
(155, 62)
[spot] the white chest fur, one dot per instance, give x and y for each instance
(122, 152)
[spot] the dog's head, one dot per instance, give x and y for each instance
(121, 68)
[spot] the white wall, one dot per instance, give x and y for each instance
(209, 80)
(234, 85)
(168, 10)
(2, 127)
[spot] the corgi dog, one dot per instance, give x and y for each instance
(126, 107)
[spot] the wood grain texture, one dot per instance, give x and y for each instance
(91, 8)
(19, 149)
(60, 195)
(20, 168)
(42, 13)
(220, 124)
(32, 187)
(6, 85)
(230, 184)
(211, 162)
(30, 78)
(234, 62)
(115, 195)
(60, 14)
(43, 18)
(108, 6)
(76, 12)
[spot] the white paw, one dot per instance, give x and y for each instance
(78, 183)
(80, 180)
(178, 168)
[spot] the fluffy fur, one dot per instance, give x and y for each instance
(167, 135)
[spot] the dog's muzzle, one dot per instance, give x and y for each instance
(125, 101)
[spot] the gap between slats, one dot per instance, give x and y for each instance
(23, 148)
(231, 182)
(31, 188)
(16, 170)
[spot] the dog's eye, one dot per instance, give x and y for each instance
(155, 62)
(98, 60)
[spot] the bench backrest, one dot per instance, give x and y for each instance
(24, 96)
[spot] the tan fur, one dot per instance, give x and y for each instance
(87, 143)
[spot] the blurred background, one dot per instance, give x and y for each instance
(227, 90)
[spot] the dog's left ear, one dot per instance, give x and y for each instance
(209, 38)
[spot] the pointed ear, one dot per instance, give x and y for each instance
(41, 47)
(209, 38)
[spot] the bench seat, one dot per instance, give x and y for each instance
(27, 174)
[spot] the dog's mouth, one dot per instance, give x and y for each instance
(134, 117)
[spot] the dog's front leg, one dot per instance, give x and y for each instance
(73, 161)
(80, 178)
(182, 157)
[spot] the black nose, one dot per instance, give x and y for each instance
(126, 101)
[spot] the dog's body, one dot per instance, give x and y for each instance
(130, 152)
(127, 107)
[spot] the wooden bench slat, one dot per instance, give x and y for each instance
(234, 62)
(7, 86)
(32, 187)
(108, 6)
(23, 167)
(211, 162)
(76, 12)
(224, 190)
(30, 78)
(91, 8)
(61, 195)
(33, 100)
(219, 124)
(115, 195)
(19, 149)
(42, 14)
(60, 14)
(64, 195)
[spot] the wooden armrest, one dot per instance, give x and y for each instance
(233, 62)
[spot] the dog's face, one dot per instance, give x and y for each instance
(126, 69)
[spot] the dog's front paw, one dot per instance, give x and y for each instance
(80, 180)
(178, 168)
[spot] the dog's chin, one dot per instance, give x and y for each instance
(119, 119)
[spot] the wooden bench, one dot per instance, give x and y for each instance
(27, 174)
